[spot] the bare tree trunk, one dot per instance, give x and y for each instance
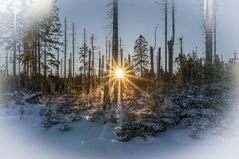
(152, 61)
(115, 48)
(129, 59)
(36, 53)
(181, 62)
(70, 66)
(110, 65)
(14, 48)
(158, 64)
(33, 53)
(45, 64)
(106, 49)
(141, 65)
(106, 98)
(110, 53)
(166, 37)
(19, 63)
(93, 60)
(215, 37)
(58, 65)
(215, 28)
(99, 82)
(121, 66)
(73, 50)
(89, 73)
(61, 68)
(38, 49)
(7, 65)
(208, 22)
(103, 65)
(65, 48)
(171, 43)
(85, 53)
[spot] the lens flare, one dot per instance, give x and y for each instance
(119, 73)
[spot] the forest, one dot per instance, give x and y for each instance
(139, 94)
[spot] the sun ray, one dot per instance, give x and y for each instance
(136, 87)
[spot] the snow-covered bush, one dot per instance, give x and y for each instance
(50, 118)
(94, 114)
(65, 123)
(140, 124)
(195, 107)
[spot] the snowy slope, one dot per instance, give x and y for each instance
(24, 138)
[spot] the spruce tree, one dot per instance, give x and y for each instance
(141, 58)
(84, 50)
(51, 34)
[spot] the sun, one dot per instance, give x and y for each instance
(119, 73)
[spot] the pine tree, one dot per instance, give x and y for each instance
(51, 34)
(84, 56)
(141, 58)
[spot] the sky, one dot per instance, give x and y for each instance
(141, 16)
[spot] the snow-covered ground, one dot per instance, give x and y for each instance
(22, 137)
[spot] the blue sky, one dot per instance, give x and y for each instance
(141, 16)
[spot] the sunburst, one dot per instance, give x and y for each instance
(125, 79)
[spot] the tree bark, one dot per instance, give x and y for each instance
(115, 45)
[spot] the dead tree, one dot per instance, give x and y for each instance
(158, 64)
(84, 52)
(14, 48)
(181, 58)
(65, 48)
(70, 66)
(106, 98)
(89, 73)
(58, 67)
(7, 72)
(45, 62)
(93, 59)
(208, 26)
(115, 44)
(34, 53)
(106, 49)
(61, 68)
(152, 53)
(171, 42)
(152, 62)
(110, 63)
(103, 66)
(166, 37)
(73, 50)
(39, 48)
(110, 53)
(121, 66)
(99, 69)
(215, 40)
(215, 28)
